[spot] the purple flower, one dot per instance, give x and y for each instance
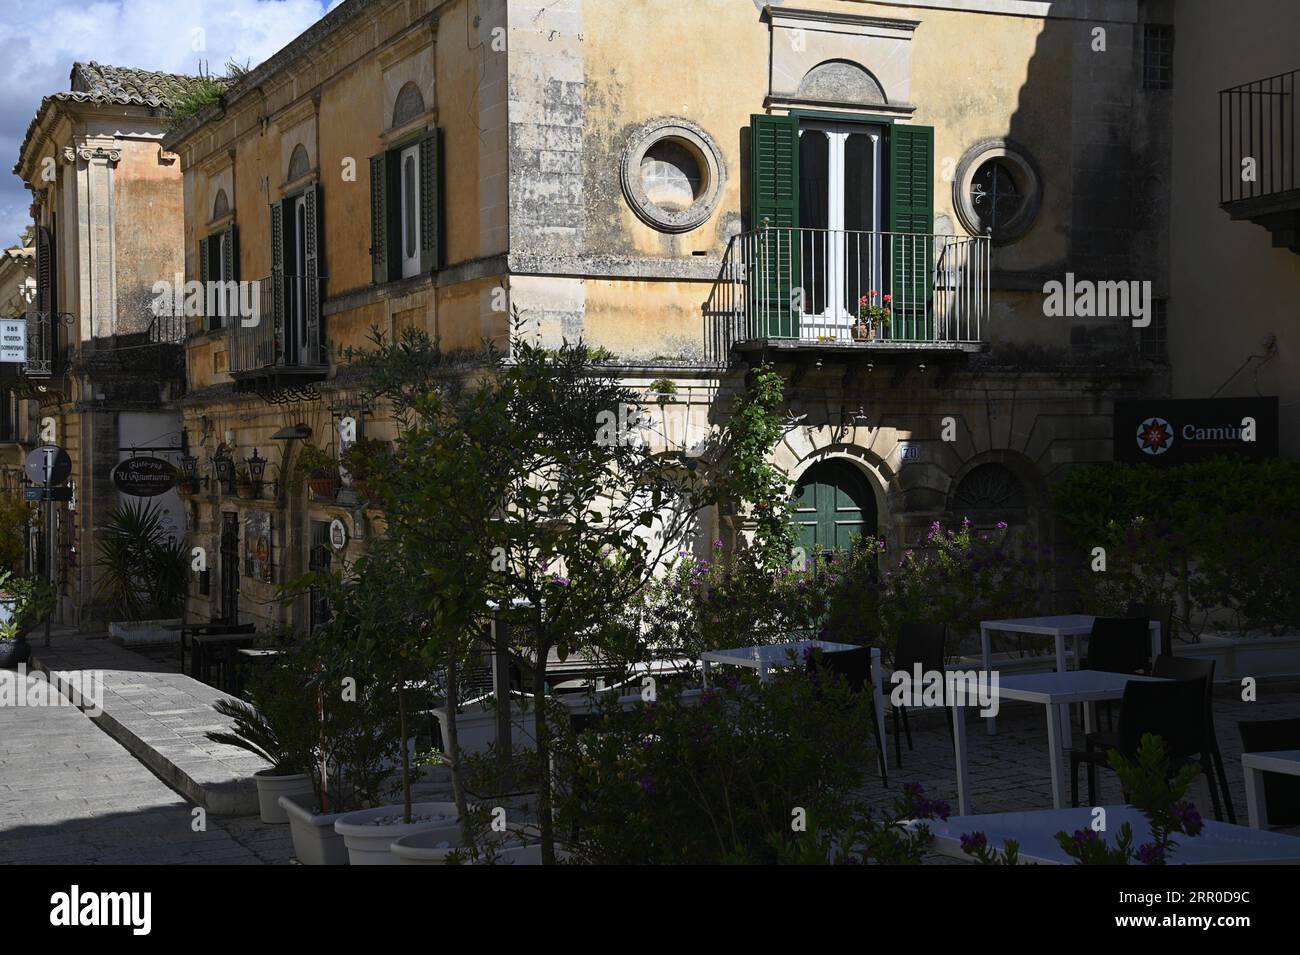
(1190, 818)
(1084, 836)
(1150, 854)
(560, 581)
(648, 783)
(973, 842)
(717, 544)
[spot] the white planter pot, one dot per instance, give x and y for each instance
(524, 855)
(369, 843)
(314, 840)
(428, 847)
(271, 787)
(1236, 656)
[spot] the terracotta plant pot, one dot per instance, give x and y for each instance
(246, 491)
(189, 487)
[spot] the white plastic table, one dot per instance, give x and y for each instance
(1056, 692)
(1057, 627)
(765, 657)
(1256, 765)
(1219, 843)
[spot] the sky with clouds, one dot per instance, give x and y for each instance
(40, 41)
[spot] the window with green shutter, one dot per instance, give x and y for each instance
(219, 263)
(774, 213)
(406, 208)
(911, 213)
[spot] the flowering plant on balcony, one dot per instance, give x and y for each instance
(872, 314)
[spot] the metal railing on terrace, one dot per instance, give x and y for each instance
(1257, 139)
(808, 285)
(284, 334)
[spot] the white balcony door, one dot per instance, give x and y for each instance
(840, 210)
(409, 160)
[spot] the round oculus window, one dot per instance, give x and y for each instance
(996, 190)
(672, 175)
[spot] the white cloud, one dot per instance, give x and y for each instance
(40, 41)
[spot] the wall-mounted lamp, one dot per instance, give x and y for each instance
(190, 479)
(224, 465)
(256, 470)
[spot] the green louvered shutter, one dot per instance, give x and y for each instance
(231, 263)
(270, 347)
(313, 283)
(379, 218)
(774, 214)
(430, 203)
(911, 213)
(205, 273)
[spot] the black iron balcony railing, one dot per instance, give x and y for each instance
(283, 332)
(47, 343)
(831, 286)
(1257, 137)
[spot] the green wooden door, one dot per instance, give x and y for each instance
(834, 504)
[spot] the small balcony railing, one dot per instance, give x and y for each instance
(1257, 137)
(48, 342)
(283, 334)
(808, 285)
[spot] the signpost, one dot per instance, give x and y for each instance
(48, 468)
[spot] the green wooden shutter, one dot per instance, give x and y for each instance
(205, 274)
(313, 285)
(774, 214)
(911, 213)
(379, 218)
(271, 346)
(430, 202)
(232, 254)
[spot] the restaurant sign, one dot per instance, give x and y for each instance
(1170, 431)
(144, 476)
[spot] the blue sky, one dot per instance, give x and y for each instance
(40, 41)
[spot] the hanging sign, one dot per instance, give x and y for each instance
(338, 534)
(13, 340)
(144, 476)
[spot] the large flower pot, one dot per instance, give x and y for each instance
(246, 492)
(427, 847)
(314, 840)
(270, 787)
(523, 855)
(14, 652)
(369, 833)
(323, 488)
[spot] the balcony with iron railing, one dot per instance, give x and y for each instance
(884, 292)
(1259, 168)
(279, 341)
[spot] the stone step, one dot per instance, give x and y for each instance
(160, 717)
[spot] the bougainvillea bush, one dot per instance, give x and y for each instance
(1216, 539)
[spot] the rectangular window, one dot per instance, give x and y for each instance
(1153, 339)
(1157, 56)
(405, 209)
(218, 270)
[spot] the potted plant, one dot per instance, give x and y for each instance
(365, 461)
(270, 729)
(872, 318)
(24, 603)
(144, 574)
(320, 470)
(244, 485)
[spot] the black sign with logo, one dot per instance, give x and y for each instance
(1169, 431)
(144, 476)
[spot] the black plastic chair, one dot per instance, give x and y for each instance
(1281, 792)
(1119, 645)
(854, 666)
(923, 643)
(1164, 615)
(1172, 710)
(1185, 668)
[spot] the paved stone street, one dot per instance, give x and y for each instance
(69, 794)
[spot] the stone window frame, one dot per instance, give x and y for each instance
(1023, 170)
(713, 169)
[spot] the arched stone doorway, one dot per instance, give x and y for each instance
(833, 504)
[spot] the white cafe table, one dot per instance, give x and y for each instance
(1219, 843)
(765, 657)
(1056, 692)
(1255, 766)
(1058, 627)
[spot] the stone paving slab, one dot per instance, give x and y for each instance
(72, 796)
(161, 717)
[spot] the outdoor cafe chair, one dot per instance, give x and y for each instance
(1185, 668)
(926, 644)
(855, 667)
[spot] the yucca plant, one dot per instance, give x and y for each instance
(144, 569)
